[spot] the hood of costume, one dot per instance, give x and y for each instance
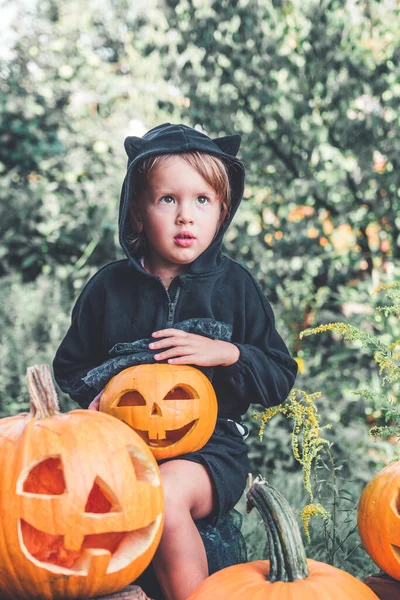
(175, 139)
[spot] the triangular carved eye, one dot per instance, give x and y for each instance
(132, 398)
(101, 499)
(46, 478)
(181, 393)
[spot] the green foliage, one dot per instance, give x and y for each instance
(346, 462)
(33, 321)
(335, 370)
(336, 541)
(385, 355)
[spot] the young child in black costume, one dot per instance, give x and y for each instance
(200, 308)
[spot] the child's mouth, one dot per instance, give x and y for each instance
(184, 240)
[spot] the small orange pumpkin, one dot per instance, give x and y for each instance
(379, 519)
(81, 497)
(288, 575)
(172, 407)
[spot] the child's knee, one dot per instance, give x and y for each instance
(187, 491)
(174, 497)
(176, 512)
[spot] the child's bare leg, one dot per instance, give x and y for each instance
(180, 561)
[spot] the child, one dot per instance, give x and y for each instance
(179, 196)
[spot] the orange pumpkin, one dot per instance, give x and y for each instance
(379, 519)
(172, 407)
(81, 500)
(288, 575)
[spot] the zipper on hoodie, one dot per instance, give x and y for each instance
(172, 306)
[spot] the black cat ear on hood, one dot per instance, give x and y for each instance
(229, 144)
(133, 146)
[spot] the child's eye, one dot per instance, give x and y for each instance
(167, 198)
(203, 199)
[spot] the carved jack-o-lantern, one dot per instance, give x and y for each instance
(81, 500)
(172, 407)
(379, 519)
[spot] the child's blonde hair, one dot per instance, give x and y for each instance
(212, 168)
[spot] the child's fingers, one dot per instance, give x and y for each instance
(192, 359)
(170, 331)
(167, 343)
(182, 360)
(173, 352)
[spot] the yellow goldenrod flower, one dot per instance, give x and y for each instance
(388, 286)
(393, 346)
(306, 440)
(312, 510)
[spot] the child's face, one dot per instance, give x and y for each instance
(178, 199)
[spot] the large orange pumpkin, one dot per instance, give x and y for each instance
(288, 575)
(172, 407)
(80, 498)
(379, 519)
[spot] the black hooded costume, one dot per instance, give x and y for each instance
(122, 305)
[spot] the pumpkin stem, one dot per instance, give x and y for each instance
(44, 402)
(288, 560)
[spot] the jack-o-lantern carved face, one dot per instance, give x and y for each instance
(379, 519)
(85, 506)
(172, 407)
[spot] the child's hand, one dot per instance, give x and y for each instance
(192, 349)
(95, 403)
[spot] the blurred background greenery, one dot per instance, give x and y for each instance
(313, 87)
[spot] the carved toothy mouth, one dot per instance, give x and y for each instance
(116, 550)
(171, 437)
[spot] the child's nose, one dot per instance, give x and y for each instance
(185, 214)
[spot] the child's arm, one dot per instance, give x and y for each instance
(265, 372)
(81, 348)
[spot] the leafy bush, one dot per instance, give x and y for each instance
(33, 321)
